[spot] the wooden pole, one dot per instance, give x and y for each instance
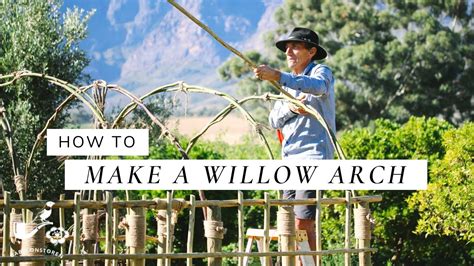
(77, 227)
(286, 233)
(347, 239)
(169, 229)
(6, 227)
(192, 220)
(240, 198)
(89, 231)
(266, 229)
(116, 215)
(213, 231)
(108, 226)
(62, 224)
(363, 232)
(161, 231)
(33, 246)
(318, 226)
(136, 234)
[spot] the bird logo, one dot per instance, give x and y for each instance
(43, 215)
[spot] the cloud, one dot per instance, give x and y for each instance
(147, 10)
(112, 56)
(235, 23)
(114, 6)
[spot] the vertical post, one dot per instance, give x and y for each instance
(169, 230)
(363, 231)
(347, 239)
(214, 232)
(115, 232)
(6, 227)
(135, 237)
(77, 227)
(89, 233)
(266, 229)
(286, 233)
(62, 224)
(35, 244)
(108, 225)
(318, 226)
(240, 218)
(192, 220)
(161, 231)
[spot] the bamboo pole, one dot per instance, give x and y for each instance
(108, 226)
(62, 224)
(266, 229)
(137, 239)
(169, 230)
(347, 233)
(161, 231)
(77, 227)
(192, 220)
(363, 233)
(214, 241)
(240, 198)
(286, 233)
(318, 226)
(176, 256)
(116, 215)
(6, 227)
(181, 203)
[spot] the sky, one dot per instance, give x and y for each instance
(143, 44)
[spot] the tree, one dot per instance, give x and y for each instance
(446, 206)
(36, 36)
(396, 219)
(391, 59)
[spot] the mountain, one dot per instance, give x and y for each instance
(145, 44)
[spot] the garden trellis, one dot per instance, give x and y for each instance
(87, 225)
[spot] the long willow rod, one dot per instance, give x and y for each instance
(309, 109)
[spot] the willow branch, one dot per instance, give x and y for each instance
(40, 137)
(165, 131)
(313, 112)
(61, 83)
(180, 86)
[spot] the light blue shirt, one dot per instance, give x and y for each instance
(304, 136)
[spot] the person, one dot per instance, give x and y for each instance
(303, 135)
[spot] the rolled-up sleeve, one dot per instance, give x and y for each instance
(280, 114)
(318, 83)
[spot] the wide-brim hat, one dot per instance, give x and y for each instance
(307, 36)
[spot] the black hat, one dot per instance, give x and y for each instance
(306, 36)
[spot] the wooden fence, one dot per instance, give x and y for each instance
(86, 227)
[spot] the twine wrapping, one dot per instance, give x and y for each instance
(214, 229)
(362, 223)
(20, 183)
(161, 219)
(90, 226)
(14, 219)
(286, 221)
(135, 234)
(34, 246)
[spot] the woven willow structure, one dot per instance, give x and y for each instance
(105, 230)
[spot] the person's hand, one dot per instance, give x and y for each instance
(298, 110)
(265, 72)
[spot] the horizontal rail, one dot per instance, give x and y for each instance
(183, 255)
(161, 204)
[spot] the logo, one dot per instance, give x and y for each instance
(56, 235)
